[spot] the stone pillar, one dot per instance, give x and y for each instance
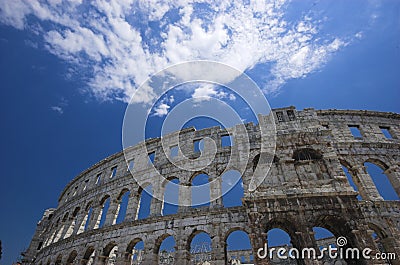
(50, 237)
(156, 204)
(120, 260)
(391, 246)
(149, 257)
(101, 260)
(185, 197)
(112, 212)
(363, 239)
(133, 205)
(217, 247)
(80, 222)
(216, 192)
(366, 186)
(182, 253)
(393, 174)
(59, 232)
(258, 239)
(69, 227)
(306, 239)
(126, 259)
(95, 217)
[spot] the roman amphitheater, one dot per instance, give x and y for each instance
(318, 179)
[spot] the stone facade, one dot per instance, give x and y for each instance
(306, 187)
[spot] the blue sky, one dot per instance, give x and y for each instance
(68, 70)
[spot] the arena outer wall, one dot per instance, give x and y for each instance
(306, 187)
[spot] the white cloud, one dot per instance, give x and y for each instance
(13, 13)
(204, 92)
(161, 110)
(58, 109)
(207, 91)
(106, 37)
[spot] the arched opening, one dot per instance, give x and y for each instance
(200, 248)
(166, 250)
(327, 243)
(335, 231)
(86, 220)
(123, 199)
(110, 253)
(383, 242)
(279, 241)
(238, 248)
(72, 257)
(278, 237)
(306, 154)
(200, 191)
(50, 239)
(171, 197)
(351, 181)
(61, 229)
(88, 257)
(146, 196)
(58, 260)
(72, 225)
(135, 252)
(381, 180)
(105, 204)
(232, 189)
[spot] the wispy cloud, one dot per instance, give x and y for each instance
(161, 110)
(208, 91)
(59, 108)
(163, 107)
(121, 43)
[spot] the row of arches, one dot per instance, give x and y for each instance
(385, 183)
(200, 247)
(140, 204)
(102, 177)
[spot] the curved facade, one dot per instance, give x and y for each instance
(305, 188)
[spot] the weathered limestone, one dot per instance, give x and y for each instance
(305, 188)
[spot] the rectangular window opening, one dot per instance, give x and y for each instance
(279, 116)
(151, 155)
(40, 246)
(131, 164)
(173, 151)
(113, 172)
(291, 116)
(226, 140)
(98, 179)
(355, 131)
(85, 186)
(386, 132)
